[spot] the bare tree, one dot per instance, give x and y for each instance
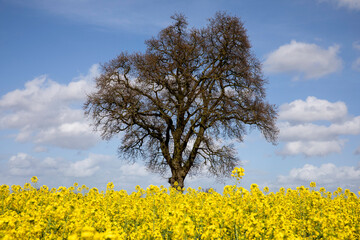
(176, 102)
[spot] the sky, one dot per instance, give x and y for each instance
(51, 52)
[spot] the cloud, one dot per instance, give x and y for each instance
(356, 45)
(87, 167)
(47, 112)
(302, 136)
(312, 109)
(135, 169)
(356, 65)
(357, 151)
(311, 131)
(40, 149)
(306, 59)
(23, 164)
(313, 148)
(350, 4)
(95, 170)
(76, 135)
(328, 173)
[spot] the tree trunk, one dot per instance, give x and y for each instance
(178, 175)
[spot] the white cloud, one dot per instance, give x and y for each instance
(313, 148)
(40, 149)
(44, 113)
(306, 59)
(94, 170)
(87, 167)
(356, 65)
(351, 4)
(312, 109)
(356, 45)
(304, 132)
(49, 163)
(76, 135)
(311, 131)
(357, 151)
(135, 169)
(302, 136)
(23, 164)
(327, 173)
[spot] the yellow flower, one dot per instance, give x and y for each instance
(312, 184)
(110, 186)
(164, 213)
(34, 179)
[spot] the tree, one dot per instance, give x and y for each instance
(184, 98)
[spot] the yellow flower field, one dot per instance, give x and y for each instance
(166, 213)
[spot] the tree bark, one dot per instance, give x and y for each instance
(178, 175)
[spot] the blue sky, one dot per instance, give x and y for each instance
(50, 53)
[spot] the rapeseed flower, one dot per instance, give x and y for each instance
(34, 179)
(165, 213)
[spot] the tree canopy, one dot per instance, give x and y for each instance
(181, 102)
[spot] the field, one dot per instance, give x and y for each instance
(77, 212)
